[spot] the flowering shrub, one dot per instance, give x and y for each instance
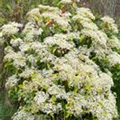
(55, 64)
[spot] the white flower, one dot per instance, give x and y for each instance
(114, 58)
(81, 18)
(75, 105)
(73, 35)
(48, 8)
(66, 1)
(1, 34)
(31, 31)
(19, 60)
(98, 37)
(89, 25)
(85, 12)
(28, 27)
(34, 15)
(11, 28)
(86, 22)
(11, 82)
(61, 20)
(104, 83)
(9, 55)
(36, 46)
(24, 47)
(65, 71)
(114, 42)
(59, 40)
(49, 108)
(58, 91)
(32, 59)
(27, 73)
(16, 42)
(23, 115)
(110, 23)
(40, 97)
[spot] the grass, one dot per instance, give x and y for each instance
(5, 111)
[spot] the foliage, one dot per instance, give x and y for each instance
(15, 10)
(61, 64)
(5, 111)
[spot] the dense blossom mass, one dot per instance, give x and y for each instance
(52, 65)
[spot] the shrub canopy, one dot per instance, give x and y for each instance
(56, 63)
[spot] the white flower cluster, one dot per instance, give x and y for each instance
(54, 71)
(11, 28)
(85, 18)
(114, 42)
(114, 58)
(17, 58)
(69, 1)
(66, 1)
(23, 115)
(49, 15)
(31, 31)
(59, 40)
(98, 37)
(12, 81)
(110, 24)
